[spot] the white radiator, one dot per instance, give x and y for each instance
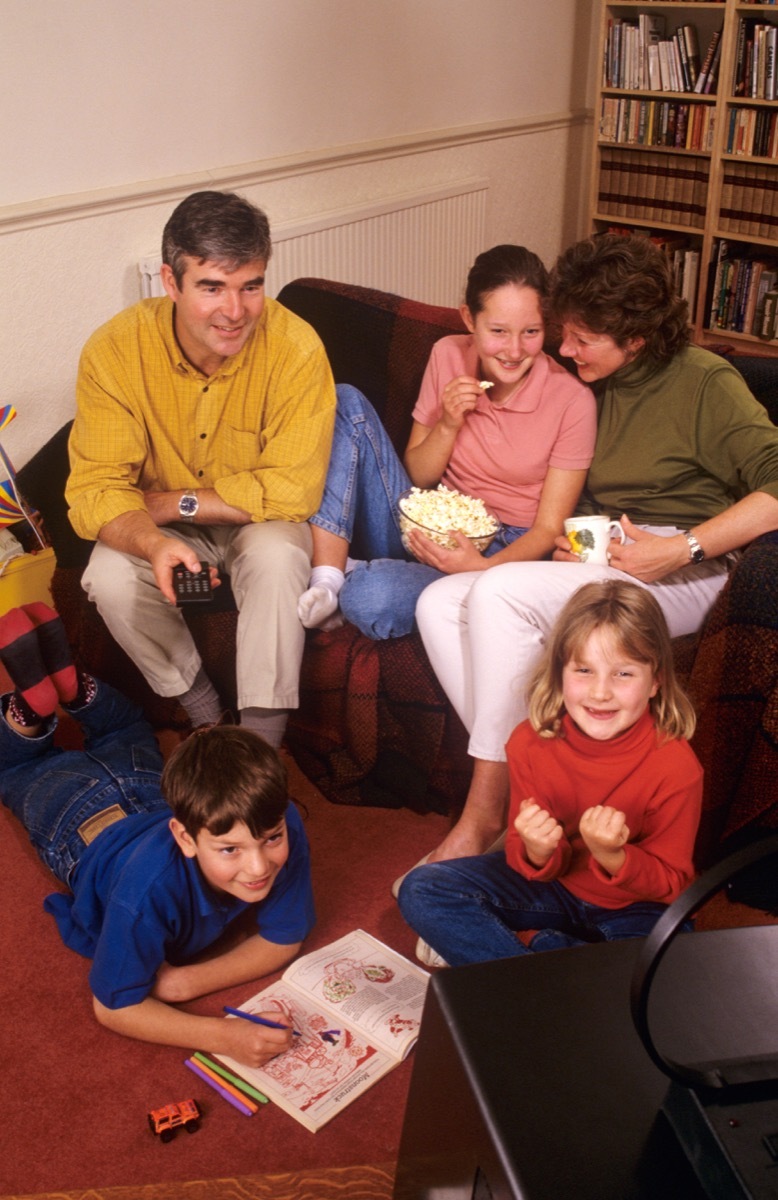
(420, 246)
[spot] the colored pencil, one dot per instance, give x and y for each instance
(205, 1061)
(241, 1105)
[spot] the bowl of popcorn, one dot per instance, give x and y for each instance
(437, 512)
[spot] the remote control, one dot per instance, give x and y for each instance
(190, 587)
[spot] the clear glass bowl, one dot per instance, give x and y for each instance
(441, 537)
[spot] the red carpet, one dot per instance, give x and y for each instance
(75, 1097)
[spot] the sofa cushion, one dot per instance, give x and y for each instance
(376, 341)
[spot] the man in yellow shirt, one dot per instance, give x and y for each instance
(202, 434)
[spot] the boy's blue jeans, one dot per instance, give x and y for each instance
(55, 793)
(469, 909)
(364, 480)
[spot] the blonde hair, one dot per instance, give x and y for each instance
(638, 625)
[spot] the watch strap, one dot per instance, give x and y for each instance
(696, 552)
(188, 511)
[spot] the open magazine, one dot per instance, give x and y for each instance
(357, 1007)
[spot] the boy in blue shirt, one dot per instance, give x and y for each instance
(158, 861)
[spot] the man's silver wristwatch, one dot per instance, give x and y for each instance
(696, 552)
(188, 506)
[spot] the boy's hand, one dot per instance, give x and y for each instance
(540, 832)
(254, 1045)
(605, 832)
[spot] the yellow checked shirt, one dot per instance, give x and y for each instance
(258, 431)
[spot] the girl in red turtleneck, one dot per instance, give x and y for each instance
(605, 797)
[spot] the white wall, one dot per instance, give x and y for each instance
(113, 111)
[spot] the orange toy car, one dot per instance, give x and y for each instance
(165, 1121)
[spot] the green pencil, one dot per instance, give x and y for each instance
(239, 1083)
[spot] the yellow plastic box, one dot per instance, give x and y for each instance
(26, 578)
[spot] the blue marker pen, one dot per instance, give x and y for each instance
(238, 1012)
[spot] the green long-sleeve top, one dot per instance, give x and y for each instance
(679, 442)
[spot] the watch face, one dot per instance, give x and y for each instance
(188, 506)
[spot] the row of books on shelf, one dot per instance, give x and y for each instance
(674, 123)
(639, 55)
(755, 67)
(744, 291)
(749, 199)
(683, 255)
(753, 132)
(669, 188)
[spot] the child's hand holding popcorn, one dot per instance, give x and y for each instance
(458, 398)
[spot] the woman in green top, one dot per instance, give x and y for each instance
(685, 456)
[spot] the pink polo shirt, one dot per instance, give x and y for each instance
(502, 454)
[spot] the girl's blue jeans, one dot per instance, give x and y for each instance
(55, 792)
(364, 480)
(469, 910)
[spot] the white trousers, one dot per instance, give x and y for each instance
(268, 564)
(484, 632)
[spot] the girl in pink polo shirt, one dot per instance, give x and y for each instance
(522, 445)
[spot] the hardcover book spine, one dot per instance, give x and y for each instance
(766, 284)
(713, 313)
(712, 80)
(770, 73)
(757, 269)
(727, 192)
(682, 60)
(707, 63)
(692, 54)
(769, 225)
(768, 330)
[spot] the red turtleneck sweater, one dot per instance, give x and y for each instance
(656, 783)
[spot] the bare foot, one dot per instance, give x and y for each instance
(484, 815)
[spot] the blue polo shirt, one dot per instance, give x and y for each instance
(138, 902)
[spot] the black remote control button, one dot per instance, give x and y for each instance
(191, 588)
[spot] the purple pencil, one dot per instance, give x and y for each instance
(222, 1091)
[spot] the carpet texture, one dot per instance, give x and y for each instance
(337, 1183)
(75, 1096)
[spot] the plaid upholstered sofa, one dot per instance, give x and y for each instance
(374, 726)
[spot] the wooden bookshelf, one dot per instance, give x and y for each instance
(695, 169)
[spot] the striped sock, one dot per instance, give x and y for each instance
(21, 656)
(55, 649)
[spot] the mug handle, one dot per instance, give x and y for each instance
(615, 531)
